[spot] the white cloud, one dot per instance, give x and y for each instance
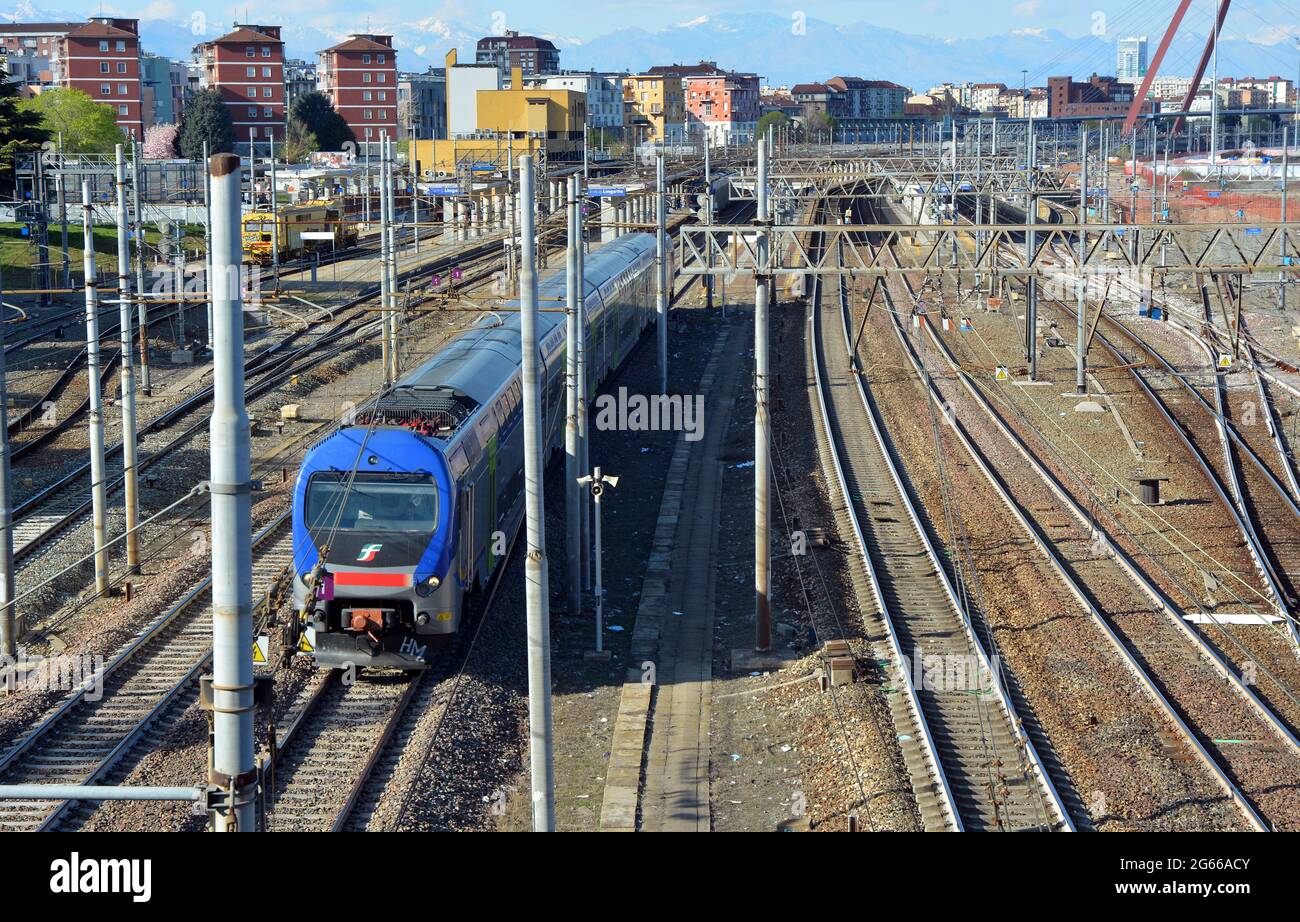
(1028, 8)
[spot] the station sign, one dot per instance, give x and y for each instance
(444, 189)
(606, 191)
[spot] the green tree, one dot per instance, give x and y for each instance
(821, 125)
(20, 130)
(776, 119)
(316, 114)
(86, 125)
(205, 118)
(298, 143)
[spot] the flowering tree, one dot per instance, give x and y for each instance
(160, 142)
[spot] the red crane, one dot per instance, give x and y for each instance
(1154, 69)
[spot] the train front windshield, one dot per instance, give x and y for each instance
(372, 501)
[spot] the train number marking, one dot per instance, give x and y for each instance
(411, 648)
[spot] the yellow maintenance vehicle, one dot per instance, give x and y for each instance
(289, 223)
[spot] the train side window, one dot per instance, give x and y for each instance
(467, 532)
(457, 462)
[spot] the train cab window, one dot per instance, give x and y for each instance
(371, 501)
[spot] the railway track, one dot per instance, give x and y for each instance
(93, 730)
(330, 749)
(334, 759)
(971, 765)
(1256, 501)
(1229, 728)
(1135, 637)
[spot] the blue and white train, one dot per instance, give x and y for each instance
(394, 516)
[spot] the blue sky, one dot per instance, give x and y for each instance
(1260, 20)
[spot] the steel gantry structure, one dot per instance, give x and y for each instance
(1168, 249)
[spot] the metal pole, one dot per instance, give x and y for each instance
(385, 294)
(207, 241)
(541, 767)
(584, 455)
(232, 765)
(131, 496)
(661, 272)
(138, 232)
(572, 503)
(1081, 376)
(600, 585)
(387, 174)
(63, 216)
(179, 275)
(1286, 176)
(708, 204)
(98, 492)
(415, 203)
(1031, 247)
(275, 219)
(1214, 93)
(9, 625)
(762, 519)
(42, 228)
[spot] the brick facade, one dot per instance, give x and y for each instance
(360, 78)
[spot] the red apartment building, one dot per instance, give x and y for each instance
(247, 67)
(100, 57)
(360, 78)
(723, 103)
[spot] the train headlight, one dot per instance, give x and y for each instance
(426, 588)
(422, 618)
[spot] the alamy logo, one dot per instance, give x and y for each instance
(656, 413)
(369, 553)
(103, 875)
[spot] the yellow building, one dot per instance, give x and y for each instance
(655, 102)
(519, 120)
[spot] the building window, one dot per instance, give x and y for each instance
(121, 89)
(266, 91)
(267, 112)
(252, 92)
(383, 77)
(383, 95)
(250, 71)
(250, 52)
(266, 71)
(105, 89)
(365, 59)
(252, 111)
(369, 116)
(266, 52)
(121, 45)
(123, 110)
(366, 96)
(103, 46)
(365, 78)
(369, 133)
(121, 67)
(103, 67)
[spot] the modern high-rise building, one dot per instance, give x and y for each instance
(1131, 61)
